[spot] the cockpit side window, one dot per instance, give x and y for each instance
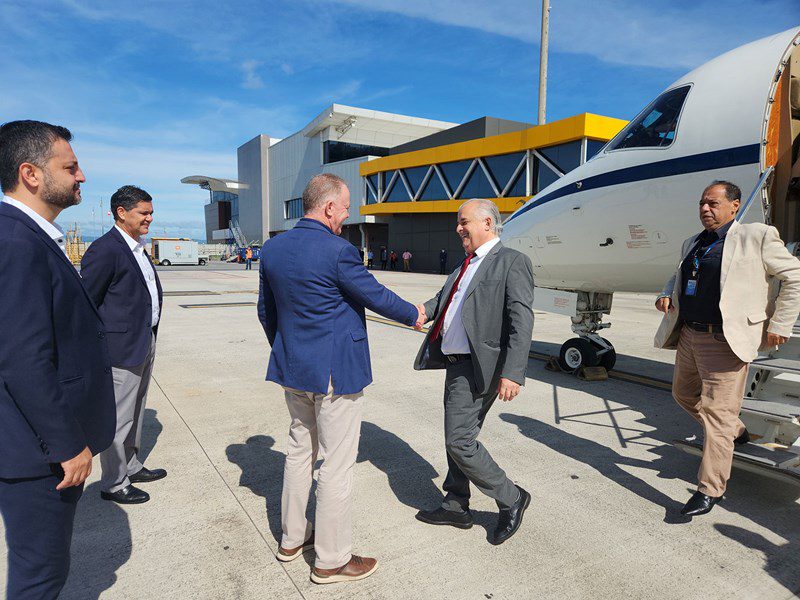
(655, 127)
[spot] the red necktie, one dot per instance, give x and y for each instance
(437, 327)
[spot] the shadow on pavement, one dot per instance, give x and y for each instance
(410, 475)
(151, 429)
(764, 501)
(101, 542)
(262, 474)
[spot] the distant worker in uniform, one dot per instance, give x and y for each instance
(442, 261)
(313, 316)
(717, 313)
(393, 260)
(123, 282)
(370, 259)
(248, 257)
(407, 260)
(481, 335)
(56, 391)
(384, 258)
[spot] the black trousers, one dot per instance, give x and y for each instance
(38, 522)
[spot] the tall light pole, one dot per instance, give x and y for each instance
(543, 61)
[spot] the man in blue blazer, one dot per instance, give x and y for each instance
(56, 393)
(123, 283)
(312, 295)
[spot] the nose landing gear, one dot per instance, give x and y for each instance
(588, 349)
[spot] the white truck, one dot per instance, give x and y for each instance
(176, 251)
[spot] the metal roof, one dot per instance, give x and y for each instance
(215, 184)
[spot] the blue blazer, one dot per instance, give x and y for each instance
(116, 284)
(56, 390)
(313, 291)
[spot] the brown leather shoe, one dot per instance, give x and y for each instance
(359, 567)
(289, 554)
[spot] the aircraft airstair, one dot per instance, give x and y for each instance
(236, 231)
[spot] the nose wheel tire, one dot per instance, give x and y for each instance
(577, 353)
(608, 359)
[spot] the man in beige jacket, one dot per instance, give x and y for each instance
(718, 312)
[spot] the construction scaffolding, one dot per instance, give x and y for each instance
(75, 244)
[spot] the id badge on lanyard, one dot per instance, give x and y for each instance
(691, 284)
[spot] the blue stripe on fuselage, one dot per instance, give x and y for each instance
(718, 159)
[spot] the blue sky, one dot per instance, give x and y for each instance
(155, 90)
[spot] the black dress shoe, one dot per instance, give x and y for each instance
(127, 495)
(742, 439)
(699, 504)
(441, 516)
(511, 518)
(145, 475)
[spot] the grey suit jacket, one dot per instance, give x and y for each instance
(497, 316)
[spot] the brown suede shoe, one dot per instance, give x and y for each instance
(359, 567)
(289, 554)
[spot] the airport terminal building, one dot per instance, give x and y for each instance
(407, 175)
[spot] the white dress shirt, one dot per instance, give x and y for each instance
(454, 340)
(51, 229)
(148, 271)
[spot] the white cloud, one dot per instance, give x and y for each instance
(630, 32)
(252, 80)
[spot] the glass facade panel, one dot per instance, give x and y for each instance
(518, 189)
(415, 175)
(454, 172)
(477, 186)
(544, 176)
(565, 156)
(593, 147)
(656, 126)
(398, 191)
(293, 209)
(333, 151)
(434, 190)
(371, 198)
(502, 167)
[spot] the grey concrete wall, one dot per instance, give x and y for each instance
(425, 235)
(253, 159)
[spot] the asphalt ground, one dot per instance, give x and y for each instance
(607, 485)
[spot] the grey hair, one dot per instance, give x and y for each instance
(487, 208)
(320, 189)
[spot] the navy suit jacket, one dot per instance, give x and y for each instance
(313, 291)
(56, 390)
(118, 288)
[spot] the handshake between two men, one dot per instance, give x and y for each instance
(482, 323)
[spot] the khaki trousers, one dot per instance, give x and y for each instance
(329, 427)
(709, 384)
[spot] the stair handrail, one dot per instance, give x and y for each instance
(761, 183)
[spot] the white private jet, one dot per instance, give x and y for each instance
(616, 223)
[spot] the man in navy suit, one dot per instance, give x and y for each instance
(122, 281)
(56, 392)
(313, 291)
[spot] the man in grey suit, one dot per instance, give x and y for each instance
(483, 323)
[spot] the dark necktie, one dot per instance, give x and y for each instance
(437, 327)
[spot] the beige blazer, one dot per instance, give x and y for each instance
(754, 261)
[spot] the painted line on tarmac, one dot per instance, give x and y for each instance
(219, 305)
(621, 375)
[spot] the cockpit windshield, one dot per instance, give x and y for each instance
(656, 126)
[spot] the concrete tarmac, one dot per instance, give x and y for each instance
(607, 485)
